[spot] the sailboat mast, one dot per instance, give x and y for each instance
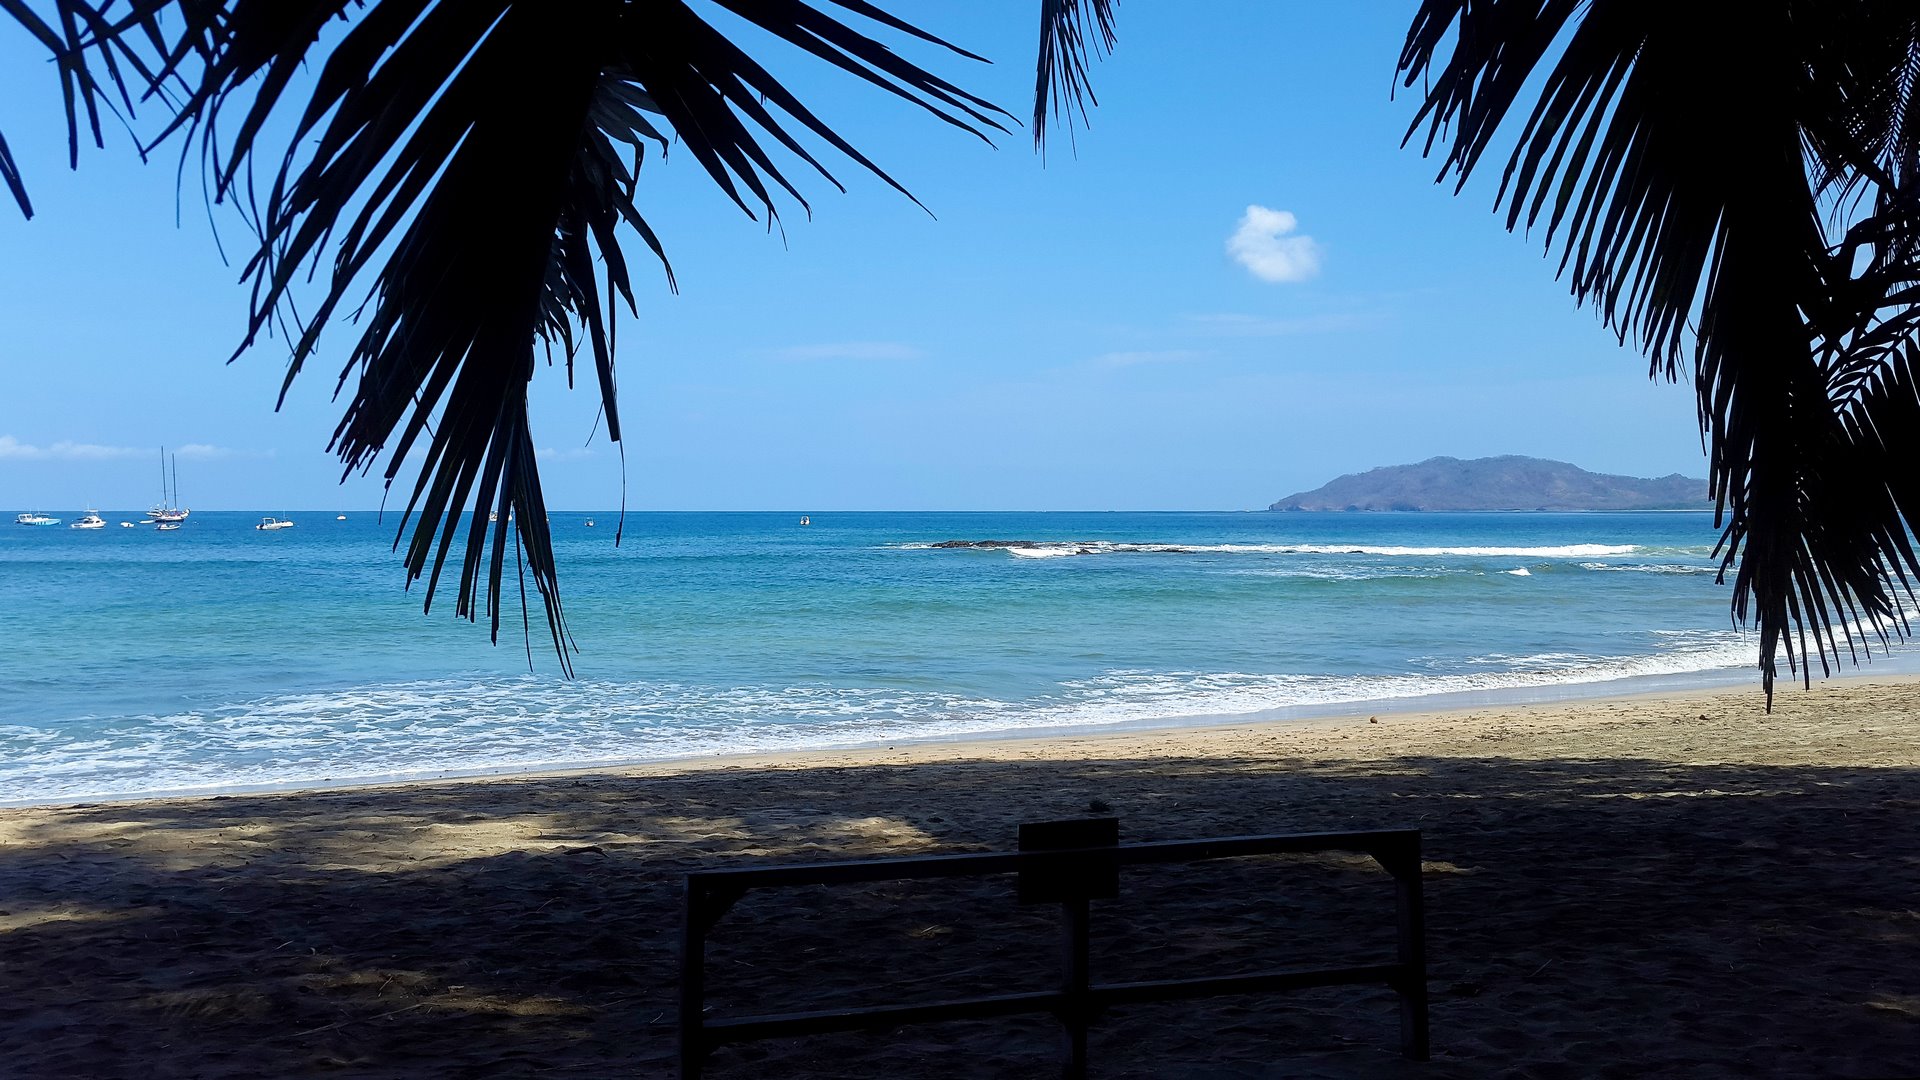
(176, 481)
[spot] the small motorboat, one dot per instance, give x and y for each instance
(166, 526)
(89, 520)
(589, 523)
(339, 517)
(126, 524)
(805, 520)
(268, 524)
(35, 518)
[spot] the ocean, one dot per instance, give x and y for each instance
(220, 657)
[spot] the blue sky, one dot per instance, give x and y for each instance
(1077, 333)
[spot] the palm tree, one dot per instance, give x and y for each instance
(1730, 179)
(1738, 183)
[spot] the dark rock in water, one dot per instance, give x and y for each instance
(988, 543)
(1498, 483)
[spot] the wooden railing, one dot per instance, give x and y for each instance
(1069, 863)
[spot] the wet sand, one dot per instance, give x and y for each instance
(1672, 885)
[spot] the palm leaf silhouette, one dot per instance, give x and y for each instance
(458, 178)
(1071, 33)
(1745, 201)
(80, 28)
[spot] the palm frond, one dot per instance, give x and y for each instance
(1072, 33)
(10, 174)
(1683, 171)
(67, 48)
(459, 177)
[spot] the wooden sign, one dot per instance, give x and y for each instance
(1077, 878)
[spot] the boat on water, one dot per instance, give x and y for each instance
(268, 524)
(165, 526)
(126, 524)
(89, 520)
(34, 517)
(340, 517)
(169, 508)
(805, 520)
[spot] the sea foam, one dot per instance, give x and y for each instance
(479, 725)
(1044, 549)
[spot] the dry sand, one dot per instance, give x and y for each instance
(1676, 885)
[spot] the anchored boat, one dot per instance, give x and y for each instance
(168, 510)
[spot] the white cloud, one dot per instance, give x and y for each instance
(12, 449)
(851, 350)
(1153, 356)
(554, 453)
(1261, 244)
(1228, 324)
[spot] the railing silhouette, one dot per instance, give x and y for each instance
(1069, 863)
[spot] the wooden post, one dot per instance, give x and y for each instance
(1411, 910)
(693, 965)
(1072, 883)
(1078, 1013)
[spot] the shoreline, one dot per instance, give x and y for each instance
(1644, 689)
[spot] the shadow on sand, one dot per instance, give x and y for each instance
(1620, 917)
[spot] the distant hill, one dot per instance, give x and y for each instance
(1498, 483)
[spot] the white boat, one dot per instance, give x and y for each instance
(35, 518)
(340, 517)
(89, 520)
(165, 526)
(126, 524)
(268, 524)
(168, 508)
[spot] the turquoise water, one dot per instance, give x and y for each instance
(220, 656)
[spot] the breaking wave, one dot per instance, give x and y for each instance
(1051, 549)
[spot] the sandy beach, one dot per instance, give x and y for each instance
(1671, 885)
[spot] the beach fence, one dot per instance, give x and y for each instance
(1069, 863)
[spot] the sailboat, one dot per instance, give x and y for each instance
(168, 511)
